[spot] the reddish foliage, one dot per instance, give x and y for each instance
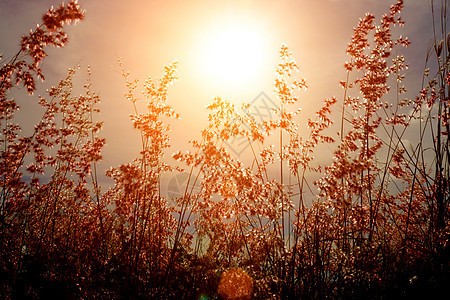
(378, 224)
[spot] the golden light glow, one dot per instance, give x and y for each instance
(232, 52)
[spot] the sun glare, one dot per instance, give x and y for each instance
(232, 53)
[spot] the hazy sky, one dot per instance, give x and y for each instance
(149, 34)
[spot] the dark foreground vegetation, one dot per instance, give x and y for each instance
(377, 228)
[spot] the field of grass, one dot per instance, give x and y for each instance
(376, 224)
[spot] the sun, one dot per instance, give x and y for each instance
(232, 53)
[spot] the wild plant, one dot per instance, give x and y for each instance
(143, 221)
(35, 213)
(375, 226)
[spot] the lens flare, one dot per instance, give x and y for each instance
(235, 284)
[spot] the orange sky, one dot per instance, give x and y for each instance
(149, 34)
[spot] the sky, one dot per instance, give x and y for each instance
(147, 35)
